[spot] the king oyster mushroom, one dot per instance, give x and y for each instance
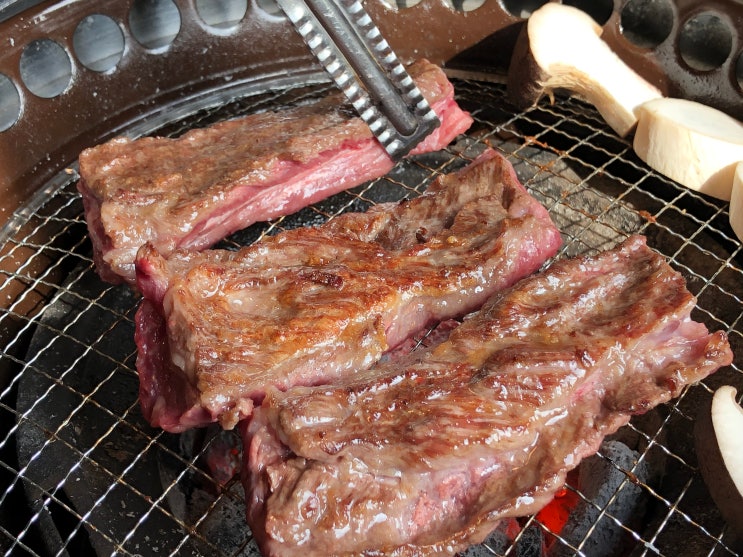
(694, 144)
(718, 435)
(560, 47)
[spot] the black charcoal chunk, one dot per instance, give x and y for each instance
(603, 481)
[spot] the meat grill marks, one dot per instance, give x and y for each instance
(423, 456)
(309, 305)
(193, 191)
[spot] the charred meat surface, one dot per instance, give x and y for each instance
(423, 456)
(192, 191)
(304, 307)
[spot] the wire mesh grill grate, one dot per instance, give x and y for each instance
(83, 474)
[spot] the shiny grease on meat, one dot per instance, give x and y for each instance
(192, 191)
(307, 306)
(424, 455)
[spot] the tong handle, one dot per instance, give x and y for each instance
(346, 42)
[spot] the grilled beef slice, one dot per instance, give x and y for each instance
(193, 191)
(216, 328)
(425, 455)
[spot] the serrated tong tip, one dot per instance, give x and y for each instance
(347, 43)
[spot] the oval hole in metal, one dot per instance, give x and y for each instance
(467, 5)
(222, 14)
(46, 68)
(10, 103)
(647, 23)
(98, 43)
(400, 4)
(705, 42)
(270, 7)
(522, 8)
(154, 23)
(600, 10)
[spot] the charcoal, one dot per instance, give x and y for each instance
(528, 542)
(531, 542)
(599, 478)
(497, 542)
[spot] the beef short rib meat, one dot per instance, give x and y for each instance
(306, 306)
(193, 191)
(424, 455)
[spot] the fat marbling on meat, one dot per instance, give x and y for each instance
(424, 455)
(307, 306)
(192, 191)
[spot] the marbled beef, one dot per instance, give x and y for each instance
(424, 455)
(192, 191)
(216, 328)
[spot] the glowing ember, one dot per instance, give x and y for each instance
(557, 514)
(223, 457)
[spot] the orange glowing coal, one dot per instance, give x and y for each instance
(555, 515)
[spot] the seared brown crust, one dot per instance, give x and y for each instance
(191, 191)
(423, 456)
(309, 305)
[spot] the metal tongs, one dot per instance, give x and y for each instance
(347, 43)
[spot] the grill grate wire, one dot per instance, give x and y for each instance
(82, 473)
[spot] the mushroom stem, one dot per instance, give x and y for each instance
(736, 202)
(694, 144)
(560, 47)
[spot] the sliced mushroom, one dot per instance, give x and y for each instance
(694, 144)
(736, 202)
(560, 47)
(718, 436)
